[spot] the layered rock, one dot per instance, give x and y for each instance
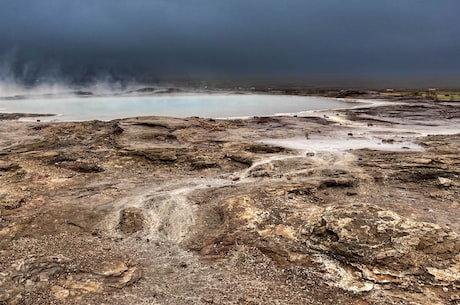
(385, 247)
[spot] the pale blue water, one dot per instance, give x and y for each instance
(210, 106)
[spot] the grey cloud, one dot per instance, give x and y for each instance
(77, 38)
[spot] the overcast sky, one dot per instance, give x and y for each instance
(218, 38)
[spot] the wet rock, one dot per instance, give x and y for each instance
(131, 221)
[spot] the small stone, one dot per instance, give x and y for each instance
(444, 181)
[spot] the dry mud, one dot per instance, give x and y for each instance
(356, 206)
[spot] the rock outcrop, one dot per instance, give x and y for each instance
(61, 276)
(384, 247)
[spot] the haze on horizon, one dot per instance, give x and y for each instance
(85, 40)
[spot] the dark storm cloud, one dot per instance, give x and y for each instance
(84, 38)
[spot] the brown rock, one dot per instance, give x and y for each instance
(131, 221)
(385, 246)
(446, 182)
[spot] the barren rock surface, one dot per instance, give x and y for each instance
(357, 206)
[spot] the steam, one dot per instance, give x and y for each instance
(39, 78)
(10, 88)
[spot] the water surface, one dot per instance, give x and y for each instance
(210, 106)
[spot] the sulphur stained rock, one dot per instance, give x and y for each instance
(385, 247)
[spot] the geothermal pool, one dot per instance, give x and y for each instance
(209, 106)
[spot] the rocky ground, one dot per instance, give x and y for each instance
(356, 206)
